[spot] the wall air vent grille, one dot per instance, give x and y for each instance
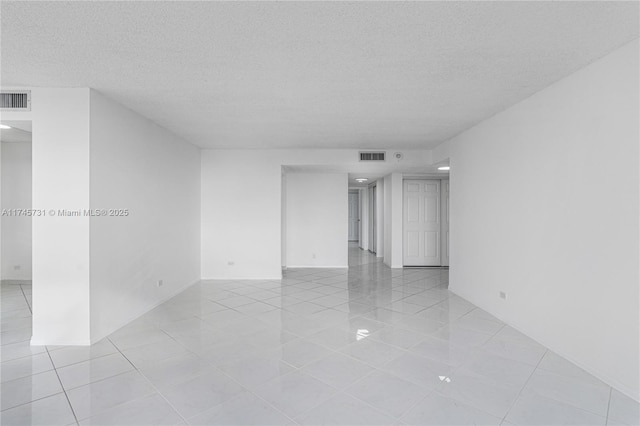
(372, 156)
(15, 100)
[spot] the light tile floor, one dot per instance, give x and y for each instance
(363, 346)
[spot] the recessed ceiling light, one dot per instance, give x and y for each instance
(361, 180)
(4, 126)
(444, 168)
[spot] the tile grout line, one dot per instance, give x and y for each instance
(214, 368)
(340, 391)
(524, 386)
(148, 381)
(295, 369)
(26, 300)
(609, 404)
(63, 388)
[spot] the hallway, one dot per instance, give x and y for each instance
(359, 257)
(369, 345)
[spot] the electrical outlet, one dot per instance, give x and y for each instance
(503, 295)
(160, 283)
(231, 263)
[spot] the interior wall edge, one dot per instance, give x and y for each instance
(549, 345)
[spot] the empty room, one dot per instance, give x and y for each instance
(320, 213)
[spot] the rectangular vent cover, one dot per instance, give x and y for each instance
(372, 156)
(15, 100)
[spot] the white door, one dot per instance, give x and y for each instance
(354, 216)
(421, 227)
(444, 186)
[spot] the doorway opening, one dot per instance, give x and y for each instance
(362, 217)
(16, 208)
(354, 216)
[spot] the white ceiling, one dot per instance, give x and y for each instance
(309, 74)
(20, 131)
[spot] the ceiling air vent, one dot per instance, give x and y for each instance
(372, 156)
(19, 100)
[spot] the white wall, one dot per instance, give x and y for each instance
(545, 207)
(393, 220)
(60, 149)
(108, 157)
(241, 221)
(242, 203)
(139, 166)
(364, 218)
(317, 212)
(16, 194)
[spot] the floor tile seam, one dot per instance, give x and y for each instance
(334, 352)
(451, 398)
(19, 341)
(34, 400)
(86, 360)
(4, 330)
(138, 346)
(157, 391)
(99, 380)
(504, 325)
(416, 304)
(11, 315)
(27, 375)
(343, 392)
(26, 299)
(246, 389)
(427, 393)
(435, 388)
(322, 308)
(419, 401)
(588, 410)
(10, 299)
(234, 310)
(252, 392)
(568, 379)
(374, 369)
(73, 411)
(17, 329)
(609, 404)
(549, 398)
(373, 337)
(338, 391)
(21, 357)
(453, 368)
(515, 400)
(258, 300)
(150, 383)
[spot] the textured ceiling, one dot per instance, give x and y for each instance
(309, 74)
